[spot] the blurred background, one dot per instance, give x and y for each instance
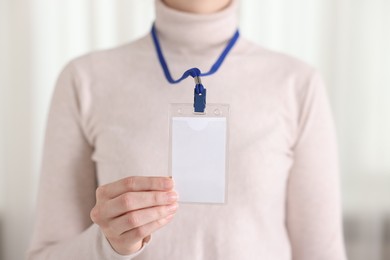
(347, 40)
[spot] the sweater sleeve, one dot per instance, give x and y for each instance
(313, 199)
(63, 228)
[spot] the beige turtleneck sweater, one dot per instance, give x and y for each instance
(109, 119)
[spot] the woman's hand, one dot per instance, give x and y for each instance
(131, 209)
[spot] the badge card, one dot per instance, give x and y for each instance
(198, 160)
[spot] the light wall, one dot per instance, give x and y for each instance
(347, 40)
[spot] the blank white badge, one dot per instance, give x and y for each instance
(198, 154)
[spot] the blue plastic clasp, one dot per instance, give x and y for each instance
(199, 96)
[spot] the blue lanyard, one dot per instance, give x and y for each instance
(199, 91)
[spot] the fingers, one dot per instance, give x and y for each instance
(135, 219)
(135, 235)
(132, 208)
(134, 183)
(136, 200)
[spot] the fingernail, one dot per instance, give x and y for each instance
(172, 208)
(172, 196)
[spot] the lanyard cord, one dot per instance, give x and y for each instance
(199, 91)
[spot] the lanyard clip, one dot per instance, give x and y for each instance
(199, 96)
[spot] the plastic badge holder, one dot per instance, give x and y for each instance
(199, 152)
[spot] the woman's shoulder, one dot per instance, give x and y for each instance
(129, 50)
(115, 57)
(272, 59)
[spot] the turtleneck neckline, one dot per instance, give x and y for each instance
(183, 32)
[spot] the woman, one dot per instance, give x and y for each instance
(108, 128)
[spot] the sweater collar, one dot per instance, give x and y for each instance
(182, 32)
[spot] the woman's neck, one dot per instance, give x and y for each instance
(191, 34)
(197, 6)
